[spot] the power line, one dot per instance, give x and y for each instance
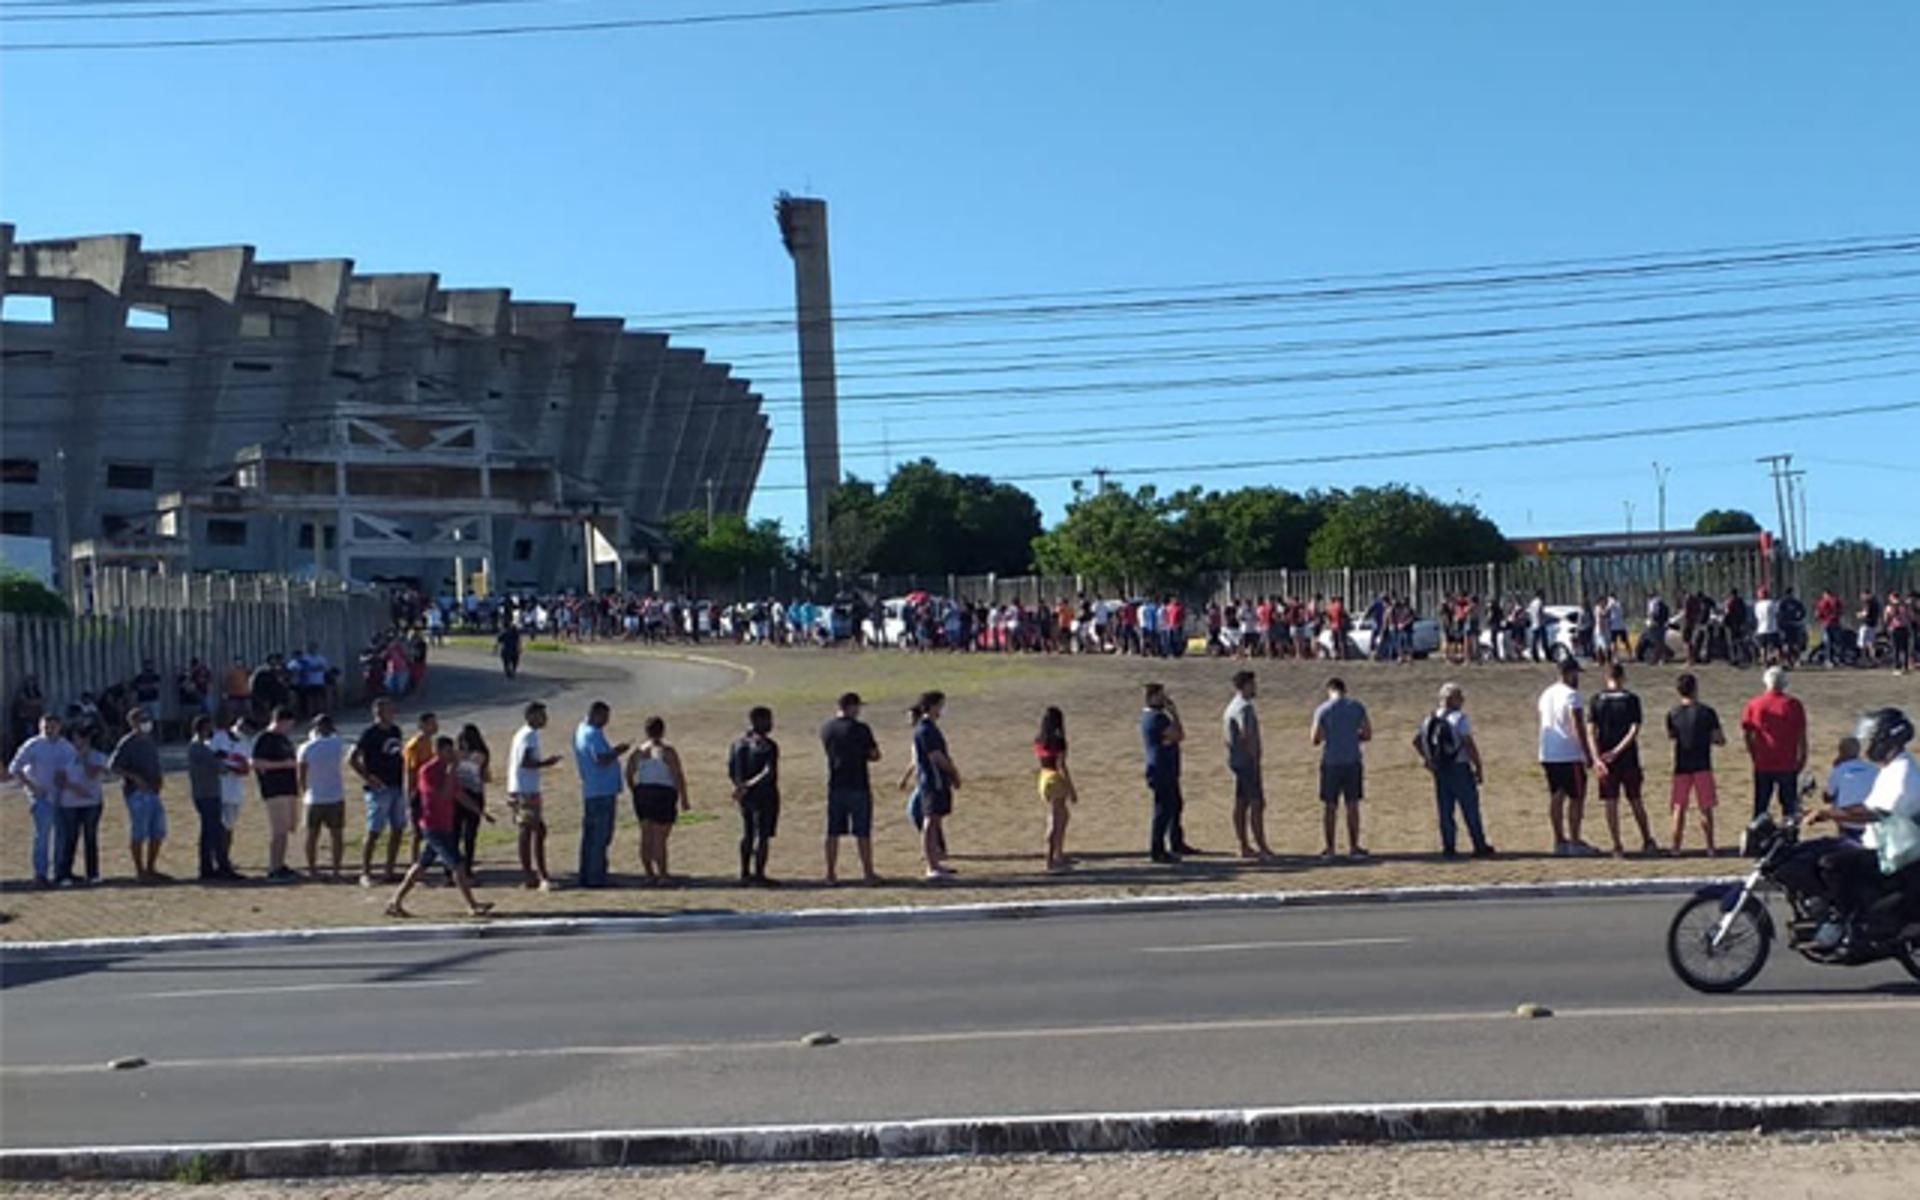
(264, 10)
(869, 8)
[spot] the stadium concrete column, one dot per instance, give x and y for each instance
(654, 457)
(682, 481)
(635, 384)
(199, 290)
(299, 303)
(803, 227)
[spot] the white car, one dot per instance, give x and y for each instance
(1360, 639)
(1563, 634)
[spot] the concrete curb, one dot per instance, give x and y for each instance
(829, 918)
(1080, 1134)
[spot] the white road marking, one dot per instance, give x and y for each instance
(1228, 947)
(302, 987)
(1715, 1012)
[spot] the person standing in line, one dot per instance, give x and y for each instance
(910, 780)
(376, 759)
(1447, 749)
(234, 745)
(417, 753)
(439, 790)
(43, 765)
(523, 796)
(1695, 730)
(1056, 785)
(938, 779)
(507, 642)
(850, 748)
(1161, 733)
(1616, 719)
(753, 765)
(206, 772)
(79, 816)
(1826, 612)
(276, 764)
(1774, 725)
(136, 760)
(474, 769)
(1340, 728)
(323, 792)
(659, 789)
(1537, 648)
(598, 762)
(1565, 755)
(1241, 725)
(1899, 621)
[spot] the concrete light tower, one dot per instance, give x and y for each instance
(803, 227)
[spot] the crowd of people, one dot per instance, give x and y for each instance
(427, 792)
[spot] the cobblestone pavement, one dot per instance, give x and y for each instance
(1857, 1167)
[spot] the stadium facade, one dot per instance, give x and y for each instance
(207, 409)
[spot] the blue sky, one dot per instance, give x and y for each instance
(1064, 145)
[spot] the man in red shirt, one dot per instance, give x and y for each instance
(1775, 725)
(1826, 610)
(1337, 622)
(438, 785)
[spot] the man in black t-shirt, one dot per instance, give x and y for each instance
(277, 766)
(753, 764)
(850, 747)
(376, 759)
(1615, 719)
(1695, 730)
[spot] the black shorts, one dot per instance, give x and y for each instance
(849, 812)
(1248, 788)
(760, 815)
(1624, 773)
(1342, 781)
(1566, 778)
(657, 803)
(936, 804)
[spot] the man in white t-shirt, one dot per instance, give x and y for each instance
(525, 762)
(323, 790)
(234, 745)
(1853, 873)
(1766, 624)
(1849, 781)
(1565, 755)
(44, 765)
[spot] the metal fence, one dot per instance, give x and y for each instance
(135, 616)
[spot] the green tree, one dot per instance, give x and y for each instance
(1112, 534)
(1401, 526)
(1255, 528)
(1726, 520)
(730, 546)
(927, 521)
(22, 593)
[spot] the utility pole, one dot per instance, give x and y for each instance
(709, 506)
(1797, 508)
(1778, 464)
(1660, 474)
(62, 535)
(1100, 479)
(1628, 505)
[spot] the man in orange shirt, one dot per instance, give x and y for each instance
(236, 685)
(418, 752)
(1337, 623)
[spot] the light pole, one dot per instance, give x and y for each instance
(1660, 474)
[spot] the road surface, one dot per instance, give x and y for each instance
(1362, 1004)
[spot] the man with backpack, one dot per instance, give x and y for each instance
(1446, 747)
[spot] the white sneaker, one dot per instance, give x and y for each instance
(1829, 935)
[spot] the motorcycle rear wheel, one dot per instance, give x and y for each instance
(1731, 965)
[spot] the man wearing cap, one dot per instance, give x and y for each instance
(1565, 756)
(1775, 727)
(850, 747)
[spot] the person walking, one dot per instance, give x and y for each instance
(850, 748)
(276, 764)
(1447, 749)
(1565, 755)
(1774, 725)
(43, 765)
(323, 792)
(1615, 719)
(1056, 784)
(659, 788)
(1161, 733)
(937, 780)
(136, 760)
(438, 788)
(1241, 725)
(1695, 730)
(376, 760)
(753, 765)
(417, 753)
(598, 762)
(524, 798)
(507, 642)
(1340, 727)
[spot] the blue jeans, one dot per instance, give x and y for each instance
(78, 825)
(1454, 787)
(46, 815)
(596, 835)
(213, 837)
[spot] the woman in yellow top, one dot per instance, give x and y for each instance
(1056, 785)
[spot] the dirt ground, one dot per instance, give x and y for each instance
(1857, 1166)
(998, 828)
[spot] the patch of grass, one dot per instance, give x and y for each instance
(198, 1171)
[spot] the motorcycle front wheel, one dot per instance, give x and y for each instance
(1732, 964)
(1909, 956)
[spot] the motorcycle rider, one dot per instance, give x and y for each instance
(1852, 874)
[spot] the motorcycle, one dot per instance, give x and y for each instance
(1720, 938)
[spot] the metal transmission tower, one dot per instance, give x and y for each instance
(803, 228)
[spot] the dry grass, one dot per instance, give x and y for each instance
(998, 828)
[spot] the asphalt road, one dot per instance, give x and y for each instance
(1363, 1004)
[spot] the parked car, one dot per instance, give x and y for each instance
(1563, 633)
(1360, 639)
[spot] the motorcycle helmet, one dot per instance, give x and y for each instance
(1883, 733)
